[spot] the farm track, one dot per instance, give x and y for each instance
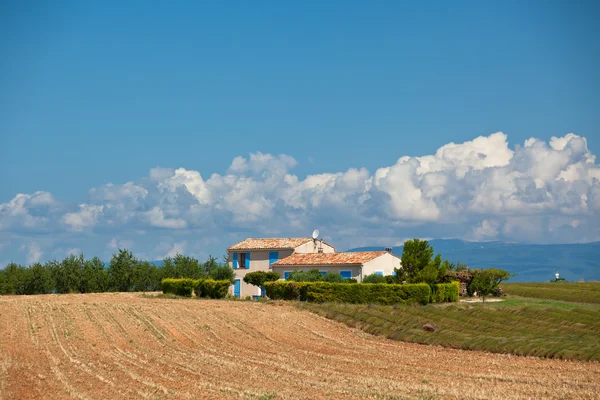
(98, 346)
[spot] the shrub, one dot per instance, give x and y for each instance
(445, 292)
(199, 288)
(286, 290)
(180, 287)
(212, 289)
(374, 278)
(372, 293)
(314, 275)
(350, 280)
(332, 277)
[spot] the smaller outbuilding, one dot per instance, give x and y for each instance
(354, 265)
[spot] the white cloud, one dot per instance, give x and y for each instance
(87, 216)
(26, 211)
(33, 252)
(480, 189)
(156, 217)
(178, 248)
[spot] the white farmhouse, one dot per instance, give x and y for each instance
(284, 255)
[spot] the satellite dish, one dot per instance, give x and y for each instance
(315, 234)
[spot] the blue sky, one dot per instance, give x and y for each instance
(103, 93)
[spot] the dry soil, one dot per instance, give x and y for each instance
(111, 346)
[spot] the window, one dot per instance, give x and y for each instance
(346, 274)
(273, 257)
(323, 273)
(242, 260)
(379, 273)
(286, 275)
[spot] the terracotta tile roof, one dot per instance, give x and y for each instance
(269, 243)
(350, 258)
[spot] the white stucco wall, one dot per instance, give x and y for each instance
(386, 263)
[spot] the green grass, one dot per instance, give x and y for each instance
(568, 291)
(528, 327)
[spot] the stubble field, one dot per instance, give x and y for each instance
(98, 346)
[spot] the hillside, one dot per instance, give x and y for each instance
(124, 345)
(531, 262)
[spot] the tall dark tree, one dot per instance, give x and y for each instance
(38, 280)
(146, 277)
(120, 271)
(67, 275)
(419, 265)
(13, 279)
(95, 276)
(187, 267)
(168, 268)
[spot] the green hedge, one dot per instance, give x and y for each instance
(445, 292)
(202, 287)
(286, 290)
(211, 288)
(180, 287)
(349, 293)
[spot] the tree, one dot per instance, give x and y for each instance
(418, 264)
(187, 267)
(120, 271)
(145, 277)
(68, 273)
(210, 264)
(486, 280)
(13, 279)
(95, 276)
(222, 273)
(38, 280)
(483, 283)
(259, 278)
(168, 268)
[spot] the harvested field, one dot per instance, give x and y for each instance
(98, 346)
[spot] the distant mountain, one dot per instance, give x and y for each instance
(531, 262)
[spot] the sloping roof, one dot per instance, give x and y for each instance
(346, 258)
(269, 243)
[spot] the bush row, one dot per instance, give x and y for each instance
(345, 293)
(202, 287)
(445, 292)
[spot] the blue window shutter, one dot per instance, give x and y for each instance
(394, 273)
(323, 273)
(235, 261)
(286, 275)
(273, 257)
(346, 274)
(379, 273)
(247, 261)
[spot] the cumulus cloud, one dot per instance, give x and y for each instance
(33, 252)
(87, 216)
(26, 211)
(480, 190)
